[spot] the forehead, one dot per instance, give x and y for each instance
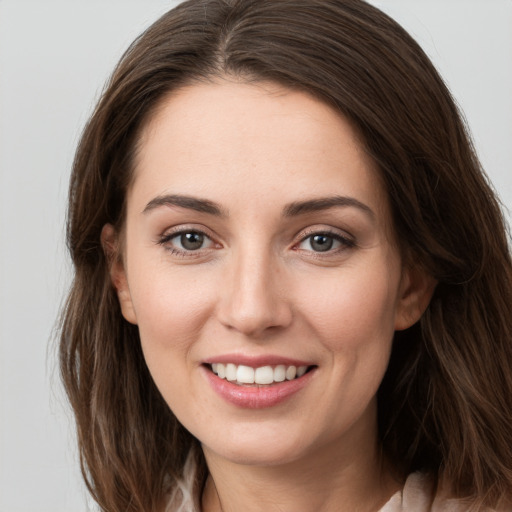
(260, 139)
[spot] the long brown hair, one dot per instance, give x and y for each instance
(445, 405)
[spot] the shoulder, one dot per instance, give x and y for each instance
(420, 495)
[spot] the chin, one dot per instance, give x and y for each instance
(252, 456)
(258, 446)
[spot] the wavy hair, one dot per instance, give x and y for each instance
(445, 405)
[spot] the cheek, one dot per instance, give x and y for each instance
(171, 308)
(352, 316)
(354, 309)
(171, 312)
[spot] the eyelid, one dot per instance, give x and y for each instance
(181, 229)
(320, 229)
(346, 240)
(186, 228)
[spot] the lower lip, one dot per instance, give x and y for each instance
(254, 397)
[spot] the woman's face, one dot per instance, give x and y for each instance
(259, 245)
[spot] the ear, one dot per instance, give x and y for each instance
(111, 247)
(416, 290)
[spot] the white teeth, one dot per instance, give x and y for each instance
(263, 375)
(301, 370)
(291, 371)
(231, 371)
(245, 374)
(280, 373)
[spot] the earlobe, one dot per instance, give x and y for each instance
(416, 290)
(110, 243)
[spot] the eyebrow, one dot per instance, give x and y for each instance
(325, 203)
(189, 202)
(291, 210)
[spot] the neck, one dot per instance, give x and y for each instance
(333, 479)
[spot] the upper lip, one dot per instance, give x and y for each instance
(256, 361)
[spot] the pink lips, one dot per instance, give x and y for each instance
(254, 396)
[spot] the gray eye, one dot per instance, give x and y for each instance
(321, 243)
(191, 241)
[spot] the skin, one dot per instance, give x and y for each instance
(257, 286)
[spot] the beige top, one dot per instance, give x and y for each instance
(416, 496)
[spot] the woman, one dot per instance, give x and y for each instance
(293, 282)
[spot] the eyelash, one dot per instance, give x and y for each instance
(165, 240)
(344, 241)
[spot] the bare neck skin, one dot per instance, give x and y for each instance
(336, 477)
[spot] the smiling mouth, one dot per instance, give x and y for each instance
(261, 376)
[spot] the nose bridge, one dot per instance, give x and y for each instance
(253, 296)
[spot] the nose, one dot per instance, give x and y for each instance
(253, 300)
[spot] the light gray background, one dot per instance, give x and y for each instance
(54, 59)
